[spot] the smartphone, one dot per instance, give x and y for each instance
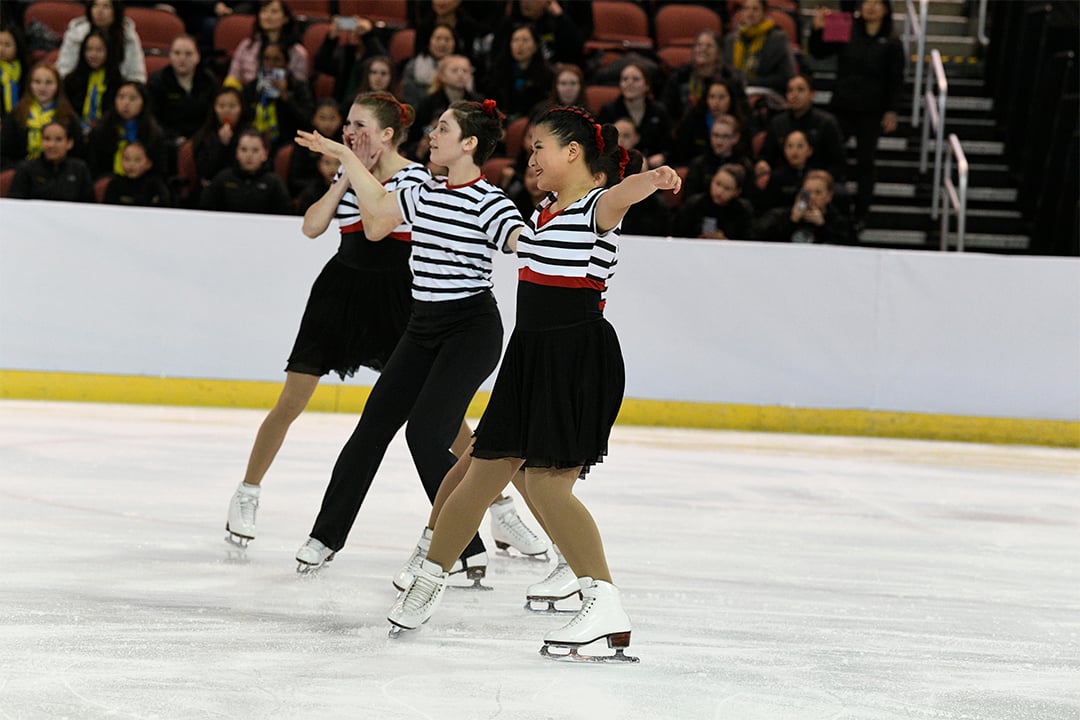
(708, 224)
(804, 201)
(837, 27)
(346, 24)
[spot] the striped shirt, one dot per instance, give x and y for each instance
(565, 249)
(455, 231)
(348, 210)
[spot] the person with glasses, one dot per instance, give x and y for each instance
(726, 146)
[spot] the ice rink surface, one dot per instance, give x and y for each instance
(767, 576)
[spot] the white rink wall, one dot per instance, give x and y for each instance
(187, 294)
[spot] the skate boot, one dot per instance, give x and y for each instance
(558, 585)
(474, 568)
(417, 603)
(601, 618)
(509, 531)
(241, 522)
(405, 574)
(311, 556)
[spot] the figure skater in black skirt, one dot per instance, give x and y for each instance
(454, 336)
(561, 381)
(357, 311)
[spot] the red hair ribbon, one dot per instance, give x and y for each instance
(599, 138)
(489, 107)
(404, 112)
(624, 159)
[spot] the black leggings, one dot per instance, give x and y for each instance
(866, 127)
(448, 349)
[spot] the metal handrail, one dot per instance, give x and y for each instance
(954, 196)
(984, 39)
(915, 25)
(935, 116)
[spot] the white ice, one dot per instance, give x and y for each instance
(768, 577)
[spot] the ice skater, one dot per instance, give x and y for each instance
(454, 335)
(560, 385)
(356, 312)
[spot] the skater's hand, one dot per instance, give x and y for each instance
(664, 178)
(315, 141)
(361, 148)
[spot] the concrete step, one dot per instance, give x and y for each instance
(882, 237)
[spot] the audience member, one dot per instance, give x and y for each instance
(527, 195)
(316, 188)
(273, 23)
(650, 118)
(420, 70)
(182, 92)
(249, 186)
(723, 96)
(558, 36)
(786, 178)
(520, 77)
(139, 185)
(281, 104)
(720, 213)
(127, 121)
(726, 146)
(819, 126)
(869, 80)
(812, 217)
(215, 142)
(55, 175)
(44, 102)
(652, 215)
(757, 51)
(124, 43)
(304, 164)
(453, 82)
(92, 85)
(344, 52)
(13, 67)
(687, 84)
(376, 75)
(468, 33)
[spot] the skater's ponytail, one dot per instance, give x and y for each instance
(482, 121)
(603, 154)
(389, 112)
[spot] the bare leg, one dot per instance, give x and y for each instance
(464, 508)
(567, 521)
(291, 402)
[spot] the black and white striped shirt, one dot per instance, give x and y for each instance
(565, 249)
(348, 209)
(455, 231)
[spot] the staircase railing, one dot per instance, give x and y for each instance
(984, 39)
(954, 197)
(935, 116)
(915, 28)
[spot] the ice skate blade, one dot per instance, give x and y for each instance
(551, 609)
(476, 574)
(477, 585)
(397, 632)
(307, 569)
(237, 541)
(574, 656)
(504, 551)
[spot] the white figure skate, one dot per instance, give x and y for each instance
(311, 556)
(473, 568)
(417, 603)
(601, 618)
(240, 525)
(558, 585)
(509, 531)
(405, 575)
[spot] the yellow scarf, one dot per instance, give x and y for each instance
(36, 120)
(10, 74)
(95, 93)
(266, 120)
(748, 44)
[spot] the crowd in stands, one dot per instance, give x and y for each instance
(212, 127)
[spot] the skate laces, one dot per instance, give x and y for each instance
(559, 568)
(583, 612)
(512, 523)
(247, 504)
(420, 594)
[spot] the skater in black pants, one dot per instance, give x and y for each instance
(454, 336)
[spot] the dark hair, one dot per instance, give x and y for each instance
(250, 131)
(389, 112)
(599, 142)
(211, 125)
(736, 171)
(476, 122)
(65, 124)
(805, 77)
(75, 84)
(290, 31)
(570, 68)
(114, 34)
(363, 84)
(886, 22)
(453, 34)
(149, 131)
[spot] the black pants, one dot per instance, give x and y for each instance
(448, 349)
(866, 127)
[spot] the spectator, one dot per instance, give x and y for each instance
(452, 83)
(726, 146)
(139, 185)
(128, 120)
(812, 217)
(249, 186)
(720, 213)
(652, 215)
(55, 175)
(92, 85)
(304, 164)
(215, 141)
(819, 126)
(757, 51)
(44, 102)
(182, 92)
(376, 75)
(558, 36)
(468, 33)
(273, 23)
(786, 179)
(688, 83)
(420, 70)
(281, 104)
(124, 43)
(343, 53)
(650, 118)
(869, 79)
(13, 68)
(723, 96)
(316, 188)
(520, 77)
(527, 195)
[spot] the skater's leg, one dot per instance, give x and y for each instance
(464, 509)
(450, 482)
(294, 397)
(567, 521)
(463, 441)
(523, 488)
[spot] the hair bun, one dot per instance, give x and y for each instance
(489, 107)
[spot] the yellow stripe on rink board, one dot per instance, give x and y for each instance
(27, 385)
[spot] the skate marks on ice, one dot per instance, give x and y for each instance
(767, 577)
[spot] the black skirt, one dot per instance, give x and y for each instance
(560, 385)
(354, 316)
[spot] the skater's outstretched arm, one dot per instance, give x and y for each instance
(612, 206)
(319, 216)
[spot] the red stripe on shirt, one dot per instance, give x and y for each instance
(529, 275)
(405, 236)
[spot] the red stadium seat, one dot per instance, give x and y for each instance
(6, 178)
(156, 28)
(515, 134)
(309, 9)
(596, 96)
(494, 167)
(55, 14)
(678, 24)
(230, 30)
(393, 14)
(618, 26)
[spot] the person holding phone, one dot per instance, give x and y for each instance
(282, 104)
(813, 218)
(273, 23)
(348, 44)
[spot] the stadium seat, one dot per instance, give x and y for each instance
(186, 172)
(392, 14)
(100, 185)
(6, 178)
(678, 24)
(310, 9)
(618, 26)
(673, 56)
(230, 30)
(515, 134)
(156, 28)
(596, 96)
(312, 40)
(494, 167)
(281, 162)
(401, 47)
(155, 62)
(54, 14)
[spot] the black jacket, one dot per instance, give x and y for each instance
(180, 112)
(234, 190)
(869, 71)
(39, 179)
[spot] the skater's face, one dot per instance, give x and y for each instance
(723, 188)
(723, 138)
(362, 123)
(95, 52)
(446, 142)
(135, 161)
(43, 85)
(551, 160)
(129, 103)
(797, 150)
(800, 97)
(251, 153)
(55, 143)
